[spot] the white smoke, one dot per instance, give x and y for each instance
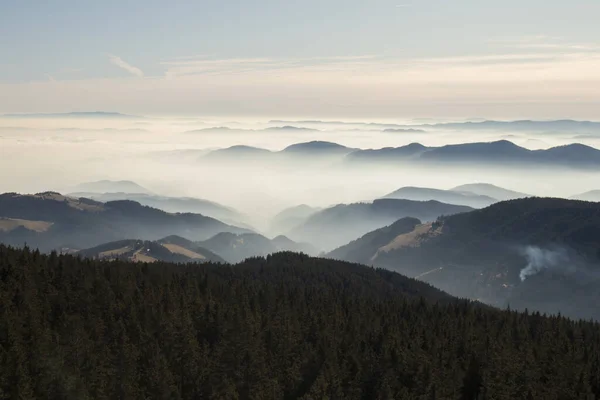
(541, 259)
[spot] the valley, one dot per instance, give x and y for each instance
(300, 200)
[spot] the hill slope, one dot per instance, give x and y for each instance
(335, 226)
(170, 249)
(287, 326)
(444, 196)
(537, 253)
(82, 223)
(364, 249)
(171, 204)
(486, 189)
(235, 248)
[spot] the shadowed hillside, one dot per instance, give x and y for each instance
(171, 204)
(535, 253)
(170, 249)
(63, 222)
(335, 226)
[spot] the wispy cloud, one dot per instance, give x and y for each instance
(205, 66)
(544, 43)
(119, 62)
(531, 66)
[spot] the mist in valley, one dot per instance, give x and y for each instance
(178, 157)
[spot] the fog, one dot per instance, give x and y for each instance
(168, 156)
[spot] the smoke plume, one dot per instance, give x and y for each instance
(539, 259)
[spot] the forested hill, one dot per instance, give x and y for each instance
(283, 327)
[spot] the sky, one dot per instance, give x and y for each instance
(312, 58)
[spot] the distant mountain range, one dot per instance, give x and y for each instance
(313, 150)
(314, 123)
(534, 253)
(476, 195)
(486, 189)
(445, 196)
(388, 154)
(225, 129)
(317, 148)
(499, 153)
(335, 226)
(50, 221)
(503, 153)
(569, 126)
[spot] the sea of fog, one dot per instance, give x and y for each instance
(165, 156)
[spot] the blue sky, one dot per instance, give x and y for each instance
(284, 57)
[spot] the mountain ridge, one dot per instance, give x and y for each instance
(536, 253)
(337, 225)
(83, 223)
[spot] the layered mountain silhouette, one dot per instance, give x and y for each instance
(393, 154)
(172, 204)
(308, 149)
(445, 196)
(536, 253)
(498, 153)
(502, 152)
(486, 189)
(50, 221)
(335, 226)
(317, 148)
(567, 125)
(237, 247)
(224, 247)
